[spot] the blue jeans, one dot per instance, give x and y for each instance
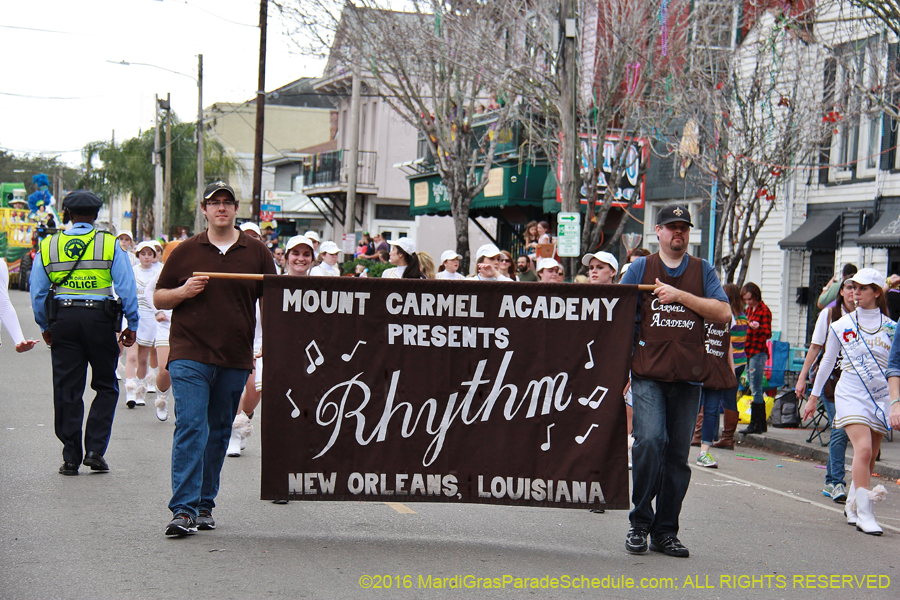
(711, 400)
(756, 368)
(206, 401)
(837, 448)
(664, 418)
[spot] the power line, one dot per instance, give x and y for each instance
(48, 97)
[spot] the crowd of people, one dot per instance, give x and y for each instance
(197, 340)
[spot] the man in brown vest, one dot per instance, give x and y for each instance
(668, 366)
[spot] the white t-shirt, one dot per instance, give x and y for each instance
(448, 275)
(144, 278)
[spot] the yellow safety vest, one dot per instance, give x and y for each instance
(93, 276)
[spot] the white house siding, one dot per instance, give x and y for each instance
(780, 273)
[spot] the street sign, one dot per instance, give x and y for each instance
(568, 241)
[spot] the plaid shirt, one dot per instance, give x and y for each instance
(756, 338)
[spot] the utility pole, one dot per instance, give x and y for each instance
(353, 159)
(158, 175)
(164, 218)
(260, 113)
(201, 184)
(569, 115)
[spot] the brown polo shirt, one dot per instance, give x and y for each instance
(216, 326)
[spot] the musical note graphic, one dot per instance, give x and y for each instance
(590, 399)
(589, 364)
(347, 357)
(296, 412)
(546, 445)
(580, 438)
(319, 359)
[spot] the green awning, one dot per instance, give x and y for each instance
(509, 185)
(549, 194)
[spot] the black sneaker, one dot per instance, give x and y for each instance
(181, 525)
(670, 546)
(636, 540)
(205, 520)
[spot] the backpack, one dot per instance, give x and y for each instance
(786, 410)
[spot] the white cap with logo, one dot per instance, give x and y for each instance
(449, 255)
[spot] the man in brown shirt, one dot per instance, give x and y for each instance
(668, 365)
(211, 351)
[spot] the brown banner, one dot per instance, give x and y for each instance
(449, 391)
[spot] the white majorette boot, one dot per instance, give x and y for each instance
(240, 431)
(140, 393)
(130, 392)
(150, 379)
(162, 405)
(850, 506)
(866, 513)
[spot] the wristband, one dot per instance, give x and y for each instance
(895, 401)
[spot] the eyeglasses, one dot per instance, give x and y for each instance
(505, 260)
(218, 203)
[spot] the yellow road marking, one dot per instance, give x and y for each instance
(401, 508)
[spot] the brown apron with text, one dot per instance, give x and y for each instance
(671, 344)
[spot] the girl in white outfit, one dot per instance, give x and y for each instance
(864, 339)
(328, 267)
(299, 257)
(449, 266)
(137, 356)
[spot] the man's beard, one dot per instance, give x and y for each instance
(521, 268)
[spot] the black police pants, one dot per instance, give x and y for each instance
(83, 336)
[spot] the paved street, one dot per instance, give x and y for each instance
(749, 524)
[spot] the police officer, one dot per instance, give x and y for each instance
(73, 302)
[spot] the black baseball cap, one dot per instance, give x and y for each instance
(82, 202)
(218, 186)
(672, 213)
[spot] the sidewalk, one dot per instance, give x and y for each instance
(793, 441)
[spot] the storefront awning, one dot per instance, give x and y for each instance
(885, 233)
(818, 232)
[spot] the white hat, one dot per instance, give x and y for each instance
(868, 276)
(405, 243)
(488, 250)
(449, 255)
(125, 232)
(152, 245)
(296, 241)
(329, 247)
(604, 257)
(624, 268)
(312, 235)
(251, 226)
(547, 263)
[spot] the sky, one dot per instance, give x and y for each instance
(60, 87)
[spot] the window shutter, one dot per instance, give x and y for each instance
(827, 105)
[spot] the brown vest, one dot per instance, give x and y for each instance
(671, 345)
(718, 342)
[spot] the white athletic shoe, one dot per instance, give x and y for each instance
(140, 394)
(162, 405)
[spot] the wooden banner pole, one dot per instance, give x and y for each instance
(258, 277)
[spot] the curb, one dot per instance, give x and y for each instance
(813, 451)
